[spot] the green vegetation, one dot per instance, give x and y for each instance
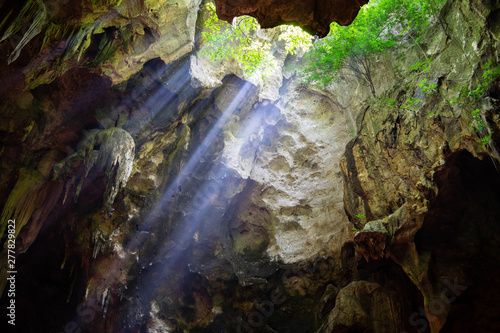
(378, 27)
(347, 50)
(383, 102)
(410, 103)
(239, 41)
(480, 128)
(488, 76)
(359, 223)
(219, 34)
(470, 99)
(427, 87)
(420, 66)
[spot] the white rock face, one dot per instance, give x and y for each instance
(303, 182)
(293, 149)
(209, 74)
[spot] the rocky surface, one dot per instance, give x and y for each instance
(394, 168)
(154, 192)
(313, 16)
(114, 38)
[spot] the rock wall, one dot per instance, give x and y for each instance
(394, 169)
(152, 197)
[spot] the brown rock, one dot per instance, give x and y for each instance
(364, 306)
(371, 244)
(313, 16)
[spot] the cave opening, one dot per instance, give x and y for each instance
(313, 167)
(461, 233)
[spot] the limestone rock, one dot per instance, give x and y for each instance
(111, 150)
(288, 148)
(372, 240)
(362, 305)
(312, 15)
(117, 36)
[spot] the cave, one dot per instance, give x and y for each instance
(459, 232)
(255, 166)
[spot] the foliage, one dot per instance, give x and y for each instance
(386, 103)
(378, 27)
(427, 87)
(486, 140)
(239, 41)
(489, 75)
(220, 33)
(477, 120)
(470, 97)
(420, 66)
(480, 128)
(360, 223)
(295, 39)
(416, 16)
(410, 103)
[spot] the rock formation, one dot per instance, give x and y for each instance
(155, 192)
(313, 16)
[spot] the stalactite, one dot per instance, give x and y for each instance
(98, 240)
(34, 12)
(111, 150)
(23, 199)
(31, 200)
